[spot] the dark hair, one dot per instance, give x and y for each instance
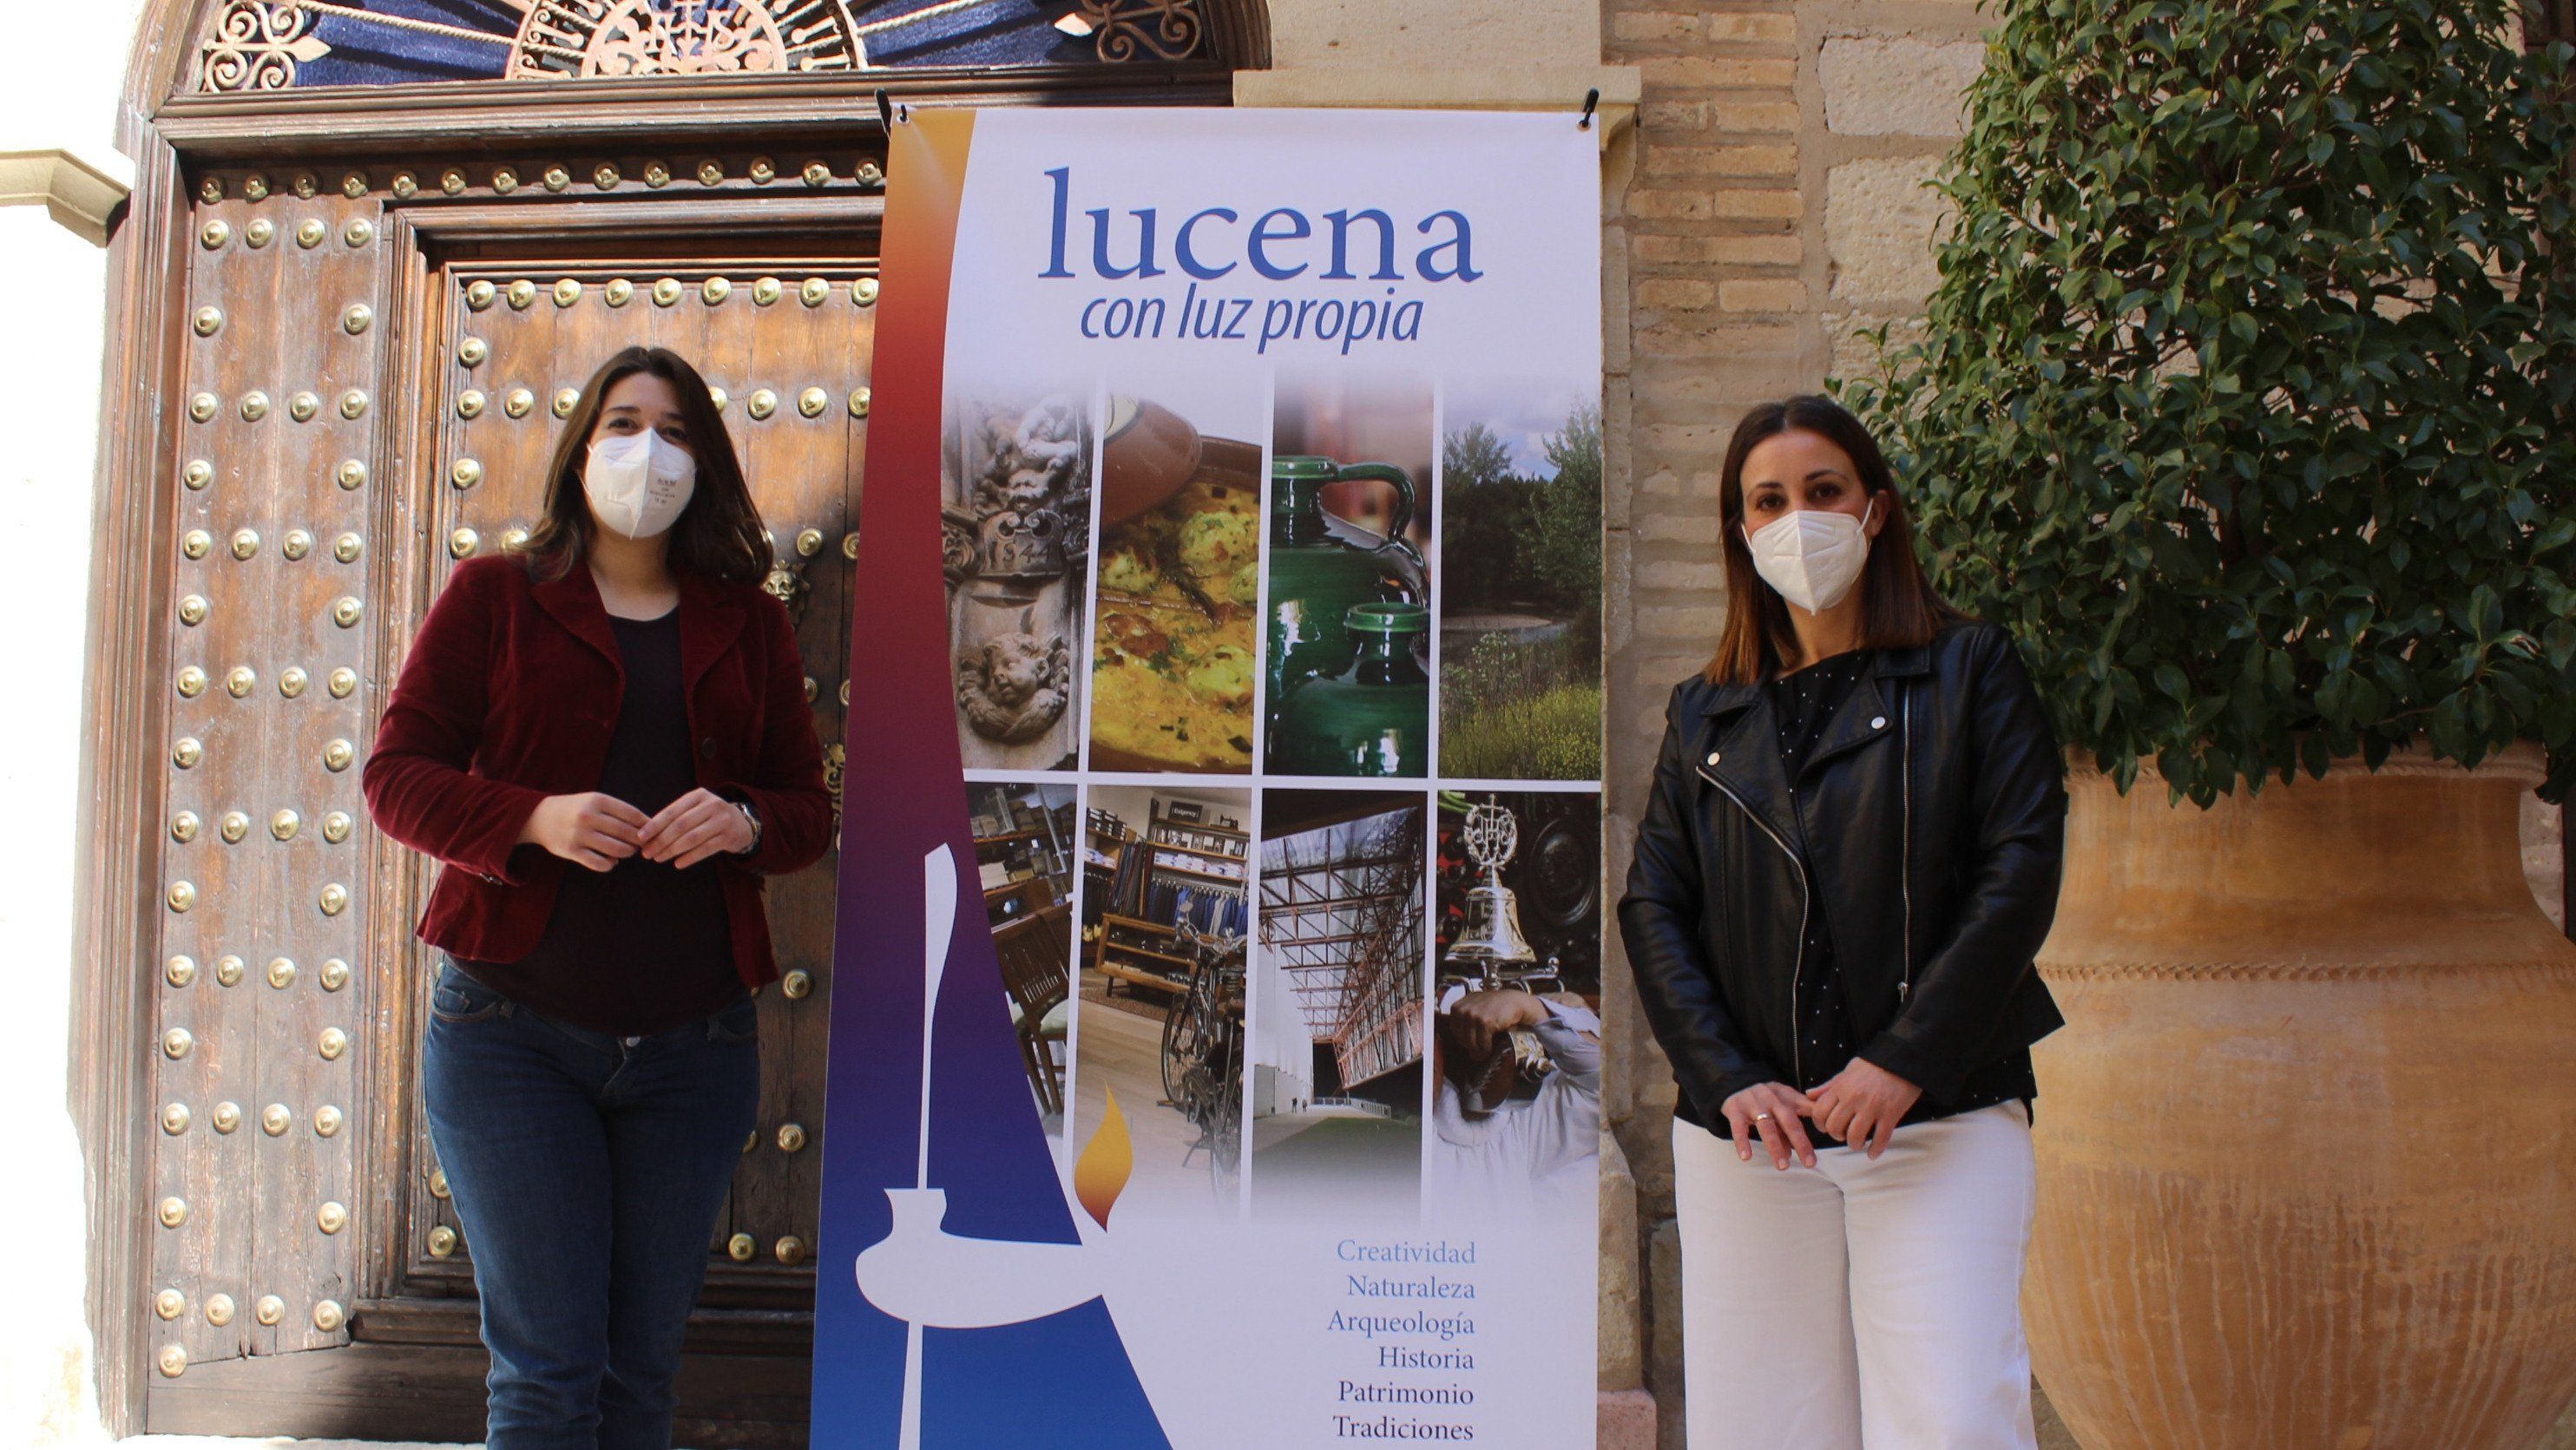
(1899, 607)
(718, 536)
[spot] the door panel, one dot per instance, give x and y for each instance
(257, 1002)
(784, 341)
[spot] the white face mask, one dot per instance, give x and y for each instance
(638, 482)
(1812, 556)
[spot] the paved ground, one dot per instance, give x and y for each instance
(1365, 1166)
(2052, 1436)
(210, 1442)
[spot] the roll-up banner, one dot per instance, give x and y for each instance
(1216, 1057)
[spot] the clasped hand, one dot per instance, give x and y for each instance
(597, 829)
(1861, 1105)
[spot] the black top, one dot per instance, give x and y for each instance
(1804, 703)
(643, 946)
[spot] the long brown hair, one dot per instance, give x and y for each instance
(1899, 607)
(718, 536)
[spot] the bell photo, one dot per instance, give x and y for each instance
(1516, 1019)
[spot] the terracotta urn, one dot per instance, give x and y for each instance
(2307, 1143)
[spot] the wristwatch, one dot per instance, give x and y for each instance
(752, 816)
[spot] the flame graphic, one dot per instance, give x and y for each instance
(1100, 1174)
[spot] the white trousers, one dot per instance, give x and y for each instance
(1859, 1305)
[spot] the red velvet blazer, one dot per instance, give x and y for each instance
(508, 696)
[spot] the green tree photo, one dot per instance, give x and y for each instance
(1522, 700)
(1474, 456)
(1564, 552)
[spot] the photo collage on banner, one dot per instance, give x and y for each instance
(1269, 539)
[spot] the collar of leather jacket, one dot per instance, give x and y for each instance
(1738, 751)
(1887, 664)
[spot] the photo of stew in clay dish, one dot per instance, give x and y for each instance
(1173, 658)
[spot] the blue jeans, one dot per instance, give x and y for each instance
(588, 1171)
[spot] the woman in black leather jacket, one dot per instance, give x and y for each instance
(1848, 859)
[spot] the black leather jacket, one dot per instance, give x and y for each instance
(1933, 818)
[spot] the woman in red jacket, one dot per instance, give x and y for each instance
(603, 736)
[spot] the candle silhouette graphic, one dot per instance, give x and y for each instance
(924, 1275)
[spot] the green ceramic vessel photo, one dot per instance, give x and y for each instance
(1374, 717)
(1321, 564)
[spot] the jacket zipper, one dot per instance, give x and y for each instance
(1797, 1068)
(1905, 856)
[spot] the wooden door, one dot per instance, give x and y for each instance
(375, 379)
(265, 994)
(784, 342)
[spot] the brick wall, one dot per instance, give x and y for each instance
(1771, 205)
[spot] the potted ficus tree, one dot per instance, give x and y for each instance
(2247, 400)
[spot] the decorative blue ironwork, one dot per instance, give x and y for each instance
(278, 44)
